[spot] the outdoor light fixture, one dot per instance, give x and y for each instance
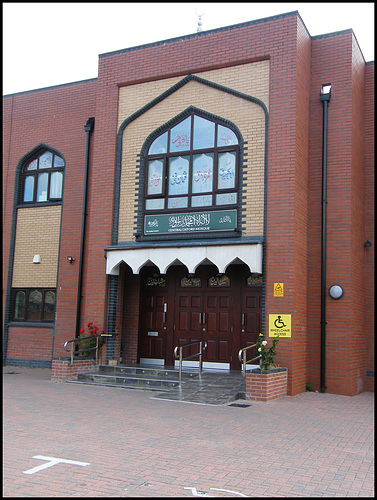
(367, 244)
(325, 93)
(70, 259)
(37, 259)
(335, 291)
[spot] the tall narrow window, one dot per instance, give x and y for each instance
(43, 179)
(192, 165)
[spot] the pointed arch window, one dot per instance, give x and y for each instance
(43, 179)
(192, 165)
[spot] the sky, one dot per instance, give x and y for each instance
(47, 44)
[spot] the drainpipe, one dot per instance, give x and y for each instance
(89, 127)
(325, 96)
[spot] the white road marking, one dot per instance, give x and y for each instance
(229, 491)
(196, 493)
(52, 461)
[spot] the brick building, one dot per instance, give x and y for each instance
(184, 184)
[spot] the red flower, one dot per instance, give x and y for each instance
(82, 330)
(95, 327)
(102, 332)
(90, 324)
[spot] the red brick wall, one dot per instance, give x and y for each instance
(266, 386)
(62, 370)
(130, 324)
(30, 343)
(369, 226)
(55, 117)
(287, 200)
(338, 62)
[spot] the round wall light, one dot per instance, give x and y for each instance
(335, 291)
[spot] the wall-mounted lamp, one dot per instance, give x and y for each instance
(325, 94)
(335, 291)
(70, 259)
(367, 244)
(36, 259)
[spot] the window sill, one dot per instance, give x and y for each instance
(31, 324)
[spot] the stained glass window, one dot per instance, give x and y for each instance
(190, 281)
(191, 165)
(219, 280)
(43, 179)
(34, 305)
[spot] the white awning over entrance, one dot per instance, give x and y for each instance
(219, 255)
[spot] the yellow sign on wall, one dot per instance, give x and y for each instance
(279, 325)
(278, 289)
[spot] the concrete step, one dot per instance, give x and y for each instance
(211, 387)
(147, 371)
(134, 377)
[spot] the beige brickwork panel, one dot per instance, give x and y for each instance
(251, 79)
(248, 116)
(38, 231)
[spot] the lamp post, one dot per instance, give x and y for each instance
(325, 96)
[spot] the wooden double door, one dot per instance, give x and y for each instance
(178, 308)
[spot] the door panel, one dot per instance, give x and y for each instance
(251, 318)
(217, 325)
(152, 334)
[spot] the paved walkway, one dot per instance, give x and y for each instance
(64, 440)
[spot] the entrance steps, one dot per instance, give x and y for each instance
(214, 387)
(150, 378)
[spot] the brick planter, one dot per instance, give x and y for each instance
(62, 370)
(268, 385)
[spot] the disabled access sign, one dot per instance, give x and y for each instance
(279, 325)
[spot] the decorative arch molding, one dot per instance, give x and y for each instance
(151, 104)
(36, 151)
(190, 256)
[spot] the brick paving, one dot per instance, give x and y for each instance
(310, 445)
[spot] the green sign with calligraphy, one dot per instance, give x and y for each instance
(222, 220)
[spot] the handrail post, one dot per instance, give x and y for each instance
(180, 366)
(244, 363)
(96, 350)
(200, 358)
(72, 349)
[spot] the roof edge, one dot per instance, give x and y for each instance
(51, 87)
(201, 33)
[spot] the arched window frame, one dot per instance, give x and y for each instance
(189, 154)
(33, 169)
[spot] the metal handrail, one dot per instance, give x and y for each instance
(242, 357)
(200, 354)
(72, 342)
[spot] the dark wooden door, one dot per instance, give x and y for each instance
(188, 319)
(251, 315)
(218, 325)
(152, 334)
(204, 315)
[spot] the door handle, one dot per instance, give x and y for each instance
(243, 319)
(204, 318)
(164, 315)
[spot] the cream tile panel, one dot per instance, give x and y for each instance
(251, 79)
(38, 231)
